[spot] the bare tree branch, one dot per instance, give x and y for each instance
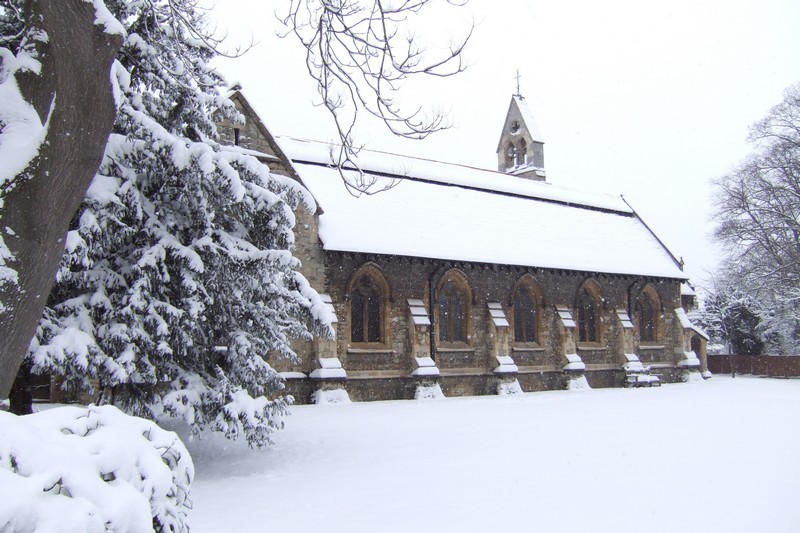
(360, 53)
(758, 208)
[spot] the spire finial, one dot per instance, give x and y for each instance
(518, 77)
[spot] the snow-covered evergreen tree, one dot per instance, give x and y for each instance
(92, 469)
(734, 319)
(178, 277)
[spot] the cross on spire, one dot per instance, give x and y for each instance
(518, 76)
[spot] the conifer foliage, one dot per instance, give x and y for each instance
(178, 276)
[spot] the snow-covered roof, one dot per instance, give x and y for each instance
(527, 116)
(686, 323)
(263, 156)
(446, 211)
(689, 359)
(400, 166)
(518, 108)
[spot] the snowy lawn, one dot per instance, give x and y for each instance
(718, 456)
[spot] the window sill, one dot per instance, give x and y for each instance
(593, 347)
(377, 349)
(651, 346)
(528, 348)
(463, 372)
(661, 365)
(602, 367)
(538, 369)
(374, 374)
(455, 349)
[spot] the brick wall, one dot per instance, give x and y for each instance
(757, 365)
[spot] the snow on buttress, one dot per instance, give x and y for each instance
(446, 211)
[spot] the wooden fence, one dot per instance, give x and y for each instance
(775, 366)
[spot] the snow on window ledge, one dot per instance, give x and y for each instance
(292, 375)
(368, 350)
(591, 347)
(429, 371)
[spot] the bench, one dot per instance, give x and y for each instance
(643, 380)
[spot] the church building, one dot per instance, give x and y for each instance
(455, 280)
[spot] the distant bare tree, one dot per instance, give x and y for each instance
(758, 209)
(758, 204)
(359, 52)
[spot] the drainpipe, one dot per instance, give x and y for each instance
(630, 300)
(432, 334)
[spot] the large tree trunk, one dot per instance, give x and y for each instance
(21, 396)
(73, 92)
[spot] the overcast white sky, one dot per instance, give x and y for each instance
(647, 99)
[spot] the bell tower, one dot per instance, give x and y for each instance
(521, 147)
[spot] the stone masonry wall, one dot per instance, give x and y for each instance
(469, 371)
(384, 371)
(250, 136)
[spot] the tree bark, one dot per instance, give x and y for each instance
(73, 93)
(21, 395)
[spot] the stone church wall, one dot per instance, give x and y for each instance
(383, 371)
(249, 135)
(396, 366)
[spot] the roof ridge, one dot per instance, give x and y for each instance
(439, 161)
(465, 186)
(543, 188)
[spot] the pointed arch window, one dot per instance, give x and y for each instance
(452, 313)
(366, 311)
(696, 345)
(588, 317)
(522, 153)
(647, 317)
(511, 154)
(525, 316)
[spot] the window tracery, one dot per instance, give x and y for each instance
(452, 309)
(526, 315)
(368, 305)
(647, 316)
(522, 153)
(588, 307)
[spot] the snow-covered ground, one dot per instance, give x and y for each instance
(718, 456)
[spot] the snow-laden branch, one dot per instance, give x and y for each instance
(91, 469)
